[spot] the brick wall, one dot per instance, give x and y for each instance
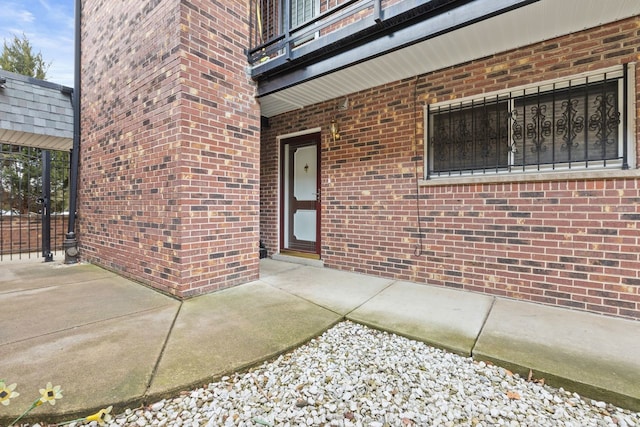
(568, 242)
(169, 177)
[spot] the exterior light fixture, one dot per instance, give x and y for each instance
(335, 130)
(2, 82)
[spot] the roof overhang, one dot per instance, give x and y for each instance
(46, 142)
(35, 113)
(473, 30)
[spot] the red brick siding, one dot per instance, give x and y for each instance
(168, 179)
(566, 243)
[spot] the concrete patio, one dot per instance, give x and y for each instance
(109, 341)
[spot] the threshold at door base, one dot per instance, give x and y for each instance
(298, 260)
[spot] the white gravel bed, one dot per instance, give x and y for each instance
(356, 376)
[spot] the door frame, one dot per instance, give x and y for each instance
(292, 138)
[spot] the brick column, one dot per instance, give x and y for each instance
(169, 176)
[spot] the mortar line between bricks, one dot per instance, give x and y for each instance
(162, 350)
(484, 322)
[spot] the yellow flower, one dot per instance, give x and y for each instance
(50, 394)
(103, 416)
(7, 393)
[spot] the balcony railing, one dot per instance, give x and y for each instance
(276, 34)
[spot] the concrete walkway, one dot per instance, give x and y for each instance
(109, 341)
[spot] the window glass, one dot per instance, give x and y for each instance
(473, 137)
(566, 124)
(575, 124)
(302, 11)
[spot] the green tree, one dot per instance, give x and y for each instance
(21, 179)
(21, 176)
(18, 57)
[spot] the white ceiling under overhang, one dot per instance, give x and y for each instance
(536, 22)
(46, 142)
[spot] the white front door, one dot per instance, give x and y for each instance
(300, 204)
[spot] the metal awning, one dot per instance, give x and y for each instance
(449, 44)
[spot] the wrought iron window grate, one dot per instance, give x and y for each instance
(570, 124)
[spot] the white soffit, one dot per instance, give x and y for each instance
(46, 142)
(539, 21)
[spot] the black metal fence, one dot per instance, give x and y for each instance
(33, 223)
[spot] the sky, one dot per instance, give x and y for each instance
(49, 26)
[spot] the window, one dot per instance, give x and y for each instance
(302, 11)
(466, 138)
(570, 124)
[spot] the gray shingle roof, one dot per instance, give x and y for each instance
(35, 113)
